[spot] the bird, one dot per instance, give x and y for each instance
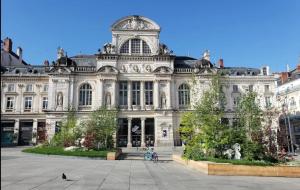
(64, 177)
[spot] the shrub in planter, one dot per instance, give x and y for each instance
(89, 141)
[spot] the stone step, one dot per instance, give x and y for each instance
(125, 156)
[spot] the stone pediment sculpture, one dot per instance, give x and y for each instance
(163, 70)
(135, 22)
(108, 48)
(108, 69)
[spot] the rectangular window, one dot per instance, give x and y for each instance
(29, 88)
(11, 88)
(235, 88)
(10, 103)
(123, 93)
(45, 89)
(268, 102)
(45, 103)
(149, 93)
(135, 46)
(135, 93)
(28, 104)
(267, 88)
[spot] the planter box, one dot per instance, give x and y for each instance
(226, 169)
(114, 155)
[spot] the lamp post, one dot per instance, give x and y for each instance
(285, 110)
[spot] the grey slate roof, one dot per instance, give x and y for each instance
(184, 62)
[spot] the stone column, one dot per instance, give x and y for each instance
(113, 95)
(34, 131)
(20, 97)
(16, 131)
(101, 93)
(143, 132)
(129, 144)
(142, 97)
(156, 94)
(129, 100)
(168, 95)
(71, 86)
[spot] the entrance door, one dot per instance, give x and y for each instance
(7, 133)
(25, 134)
(41, 132)
(136, 132)
(149, 132)
(122, 132)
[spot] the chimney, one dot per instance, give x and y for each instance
(19, 53)
(7, 45)
(298, 68)
(284, 77)
(221, 63)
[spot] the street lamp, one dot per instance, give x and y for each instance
(285, 111)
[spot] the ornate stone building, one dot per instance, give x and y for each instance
(135, 73)
(288, 102)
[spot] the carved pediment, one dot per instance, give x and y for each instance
(108, 70)
(135, 22)
(163, 70)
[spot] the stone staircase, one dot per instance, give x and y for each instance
(164, 153)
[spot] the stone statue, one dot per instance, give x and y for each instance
(60, 52)
(163, 100)
(228, 153)
(108, 48)
(134, 23)
(206, 55)
(164, 50)
(60, 99)
(237, 149)
(108, 99)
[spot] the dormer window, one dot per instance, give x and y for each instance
(135, 46)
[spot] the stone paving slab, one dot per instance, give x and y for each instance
(29, 171)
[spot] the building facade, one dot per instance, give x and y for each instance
(134, 73)
(288, 102)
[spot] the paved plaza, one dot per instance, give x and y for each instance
(22, 171)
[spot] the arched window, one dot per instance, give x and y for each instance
(135, 46)
(184, 95)
(125, 47)
(85, 95)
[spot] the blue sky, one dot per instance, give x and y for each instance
(249, 33)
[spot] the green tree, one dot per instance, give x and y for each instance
(101, 126)
(204, 125)
(66, 135)
(247, 130)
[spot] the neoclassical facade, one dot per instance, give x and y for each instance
(134, 73)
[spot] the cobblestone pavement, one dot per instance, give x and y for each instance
(22, 171)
